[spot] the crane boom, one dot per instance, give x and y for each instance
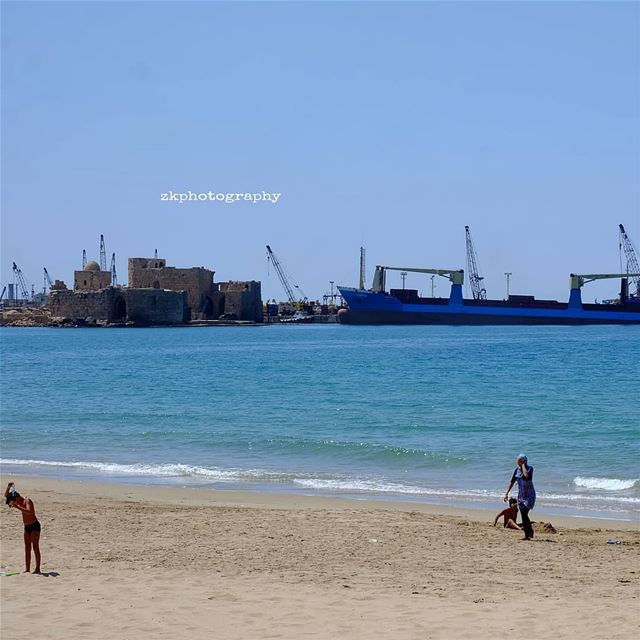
(47, 281)
(17, 272)
(282, 275)
(456, 276)
(576, 281)
(632, 261)
(103, 254)
(475, 279)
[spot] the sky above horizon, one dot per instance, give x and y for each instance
(387, 125)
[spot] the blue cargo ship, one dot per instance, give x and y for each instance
(405, 306)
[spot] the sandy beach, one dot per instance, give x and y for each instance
(125, 561)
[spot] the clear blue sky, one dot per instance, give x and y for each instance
(388, 125)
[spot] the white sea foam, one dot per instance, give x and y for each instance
(374, 486)
(584, 498)
(608, 484)
(163, 470)
(354, 484)
(345, 484)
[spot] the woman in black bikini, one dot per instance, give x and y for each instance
(31, 525)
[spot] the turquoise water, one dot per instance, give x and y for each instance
(431, 414)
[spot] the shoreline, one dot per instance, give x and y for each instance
(198, 496)
(129, 561)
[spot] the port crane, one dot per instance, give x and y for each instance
(288, 288)
(455, 276)
(632, 262)
(577, 281)
(47, 281)
(17, 272)
(475, 279)
(103, 254)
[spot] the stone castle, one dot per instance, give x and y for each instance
(156, 295)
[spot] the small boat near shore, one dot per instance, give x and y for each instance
(299, 317)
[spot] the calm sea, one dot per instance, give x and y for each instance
(429, 414)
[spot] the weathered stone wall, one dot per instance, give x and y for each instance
(58, 284)
(135, 264)
(242, 299)
(91, 280)
(202, 294)
(79, 305)
(115, 304)
(156, 306)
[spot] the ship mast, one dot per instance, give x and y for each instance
(362, 270)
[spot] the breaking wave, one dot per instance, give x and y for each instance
(138, 469)
(340, 483)
(608, 484)
(356, 485)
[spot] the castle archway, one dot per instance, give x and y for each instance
(119, 309)
(207, 307)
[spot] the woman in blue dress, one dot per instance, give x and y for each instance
(523, 475)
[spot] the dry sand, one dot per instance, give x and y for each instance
(151, 562)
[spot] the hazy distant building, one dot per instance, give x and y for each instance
(91, 278)
(202, 294)
(156, 295)
(242, 300)
(119, 305)
(207, 299)
(94, 300)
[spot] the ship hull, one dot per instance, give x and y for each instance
(346, 316)
(366, 307)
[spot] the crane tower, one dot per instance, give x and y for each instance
(17, 272)
(103, 254)
(475, 279)
(288, 288)
(630, 254)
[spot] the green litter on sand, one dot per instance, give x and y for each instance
(9, 573)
